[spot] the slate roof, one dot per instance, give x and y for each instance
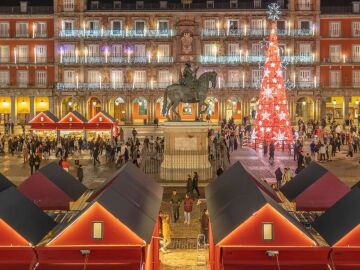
(5, 183)
(79, 116)
(24, 216)
(340, 219)
(51, 116)
(63, 180)
(233, 198)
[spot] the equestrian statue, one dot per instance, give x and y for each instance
(188, 90)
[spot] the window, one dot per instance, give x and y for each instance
(93, 78)
(233, 3)
(210, 49)
(305, 78)
(356, 29)
(69, 50)
(139, 4)
(256, 49)
(117, 4)
(335, 53)
(40, 51)
(335, 78)
(305, 26)
(23, 6)
(94, 50)
(164, 78)
(98, 230)
(116, 78)
(22, 77)
(69, 76)
(4, 54)
(4, 78)
(163, 4)
(356, 53)
(257, 26)
(4, 29)
(68, 5)
(163, 51)
(40, 29)
(305, 49)
(140, 50)
(234, 49)
(267, 231)
(94, 4)
(257, 3)
(233, 77)
(356, 78)
(93, 25)
(233, 27)
(305, 5)
(356, 7)
(139, 27)
(256, 77)
(334, 29)
(210, 24)
(68, 25)
(163, 26)
(210, 4)
(21, 29)
(116, 26)
(139, 77)
(22, 51)
(280, 26)
(40, 78)
(116, 50)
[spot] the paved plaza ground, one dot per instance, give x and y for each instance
(183, 253)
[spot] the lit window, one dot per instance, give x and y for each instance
(97, 230)
(267, 231)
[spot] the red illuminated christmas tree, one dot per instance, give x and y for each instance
(272, 121)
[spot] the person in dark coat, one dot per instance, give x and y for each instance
(195, 185)
(189, 185)
(37, 162)
(32, 163)
(80, 173)
(205, 224)
(219, 171)
(278, 175)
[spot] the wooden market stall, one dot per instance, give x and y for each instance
(73, 123)
(314, 189)
(102, 124)
(52, 188)
(117, 230)
(22, 226)
(249, 230)
(340, 227)
(44, 122)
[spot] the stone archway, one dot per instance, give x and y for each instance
(140, 109)
(69, 104)
(305, 109)
(213, 109)
(118, 109)
(233, 108)
(94, 106)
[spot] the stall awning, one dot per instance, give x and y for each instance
(72, 121)
(44, 121)
(101, 121)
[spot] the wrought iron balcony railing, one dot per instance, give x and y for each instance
(27, 60)
(255, 32)
(117, 34)
(251, 59)
(97, 60)
(110, 86)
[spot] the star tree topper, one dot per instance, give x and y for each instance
(274, 12)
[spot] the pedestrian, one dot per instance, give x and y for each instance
(96, 155)
(288, 175)
(32, 162)
(188, 205)
(195, 184)
(166, 232)
(65, 164)
(175, 202)
(205, 225)
(134, 133)
(37, 162)
(272, 152)
(350, 150)
(307, 159)
(219, 171)
(265, 145)
(278, 176)
(80, 173)
(322, 152)
(189, 185)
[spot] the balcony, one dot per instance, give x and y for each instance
(251, 59)
(101, 60)
(27, 60)
(30, 10)
(340, 85)
(110, 86)
(338, 60)
(24, 85)
(116, 34)
(256, 32)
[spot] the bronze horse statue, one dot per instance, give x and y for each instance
(176, 93)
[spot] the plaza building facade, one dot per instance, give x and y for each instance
(120, 55)
(26, 61)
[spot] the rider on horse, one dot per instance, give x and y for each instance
(189, 79)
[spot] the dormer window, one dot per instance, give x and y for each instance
(163, 4)
(139, 4)
(23, 6)
(356, 7)
(117, 4)
(210, 4)
(94, 4)
(233, 3)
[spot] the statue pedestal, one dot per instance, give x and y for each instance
(185, 151)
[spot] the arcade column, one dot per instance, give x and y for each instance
(323, 108)
(346, 107)
(13, 109)
(32, 107)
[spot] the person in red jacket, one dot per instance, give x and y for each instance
(188, 205)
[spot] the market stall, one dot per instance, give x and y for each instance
(59, 189)
(307, 188)
(44, 123)
(249, 230)
(102, 124)
(73, 124)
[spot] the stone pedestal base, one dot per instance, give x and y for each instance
(185, 151)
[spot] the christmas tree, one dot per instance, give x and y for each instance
(272, 121)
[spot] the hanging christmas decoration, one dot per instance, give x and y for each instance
(272, 119)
